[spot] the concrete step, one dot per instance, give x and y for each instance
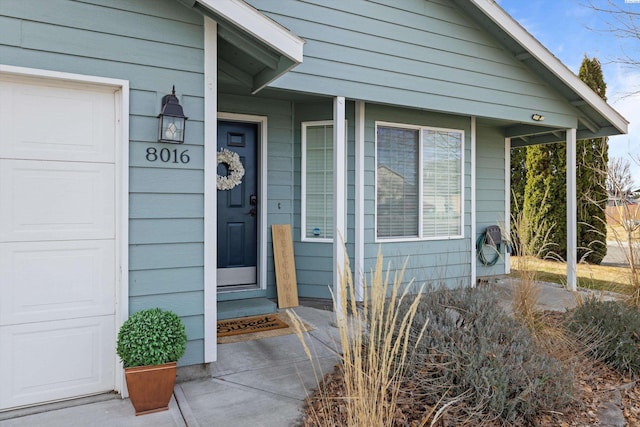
(245, 307)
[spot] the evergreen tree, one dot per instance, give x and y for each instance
(592, 158)
(518, 182)
(518, 177)
(545, 199)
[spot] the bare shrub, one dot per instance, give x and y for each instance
(622, 218)
(485, 362)
(616, 327)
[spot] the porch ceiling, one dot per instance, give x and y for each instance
(252, 49)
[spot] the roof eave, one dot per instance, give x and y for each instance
(259, 26)
(511, 27)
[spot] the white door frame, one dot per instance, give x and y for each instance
(121, 93)
(261, 152)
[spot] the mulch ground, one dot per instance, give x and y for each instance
(595, 385)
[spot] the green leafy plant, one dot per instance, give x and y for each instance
(616, 327)
(151, 337)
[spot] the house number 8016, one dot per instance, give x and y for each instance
(166, 155)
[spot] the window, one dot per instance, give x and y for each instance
(419, 182)
(317, 180)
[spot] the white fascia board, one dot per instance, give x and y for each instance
(259, 26)
(509, 25)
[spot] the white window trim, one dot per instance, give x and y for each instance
(418, 238)
(303, 181)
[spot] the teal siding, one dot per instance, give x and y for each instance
(153, 45)
(416, 53)
(404, 58)
(490, 188)
(432, 261)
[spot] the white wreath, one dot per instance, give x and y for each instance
(236, 170)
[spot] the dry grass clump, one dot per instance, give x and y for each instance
(526, 236)
(374, 338)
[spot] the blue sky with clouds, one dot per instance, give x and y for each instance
(567, 29)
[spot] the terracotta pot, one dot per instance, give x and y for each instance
(150, 387)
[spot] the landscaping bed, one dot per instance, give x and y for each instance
(477, 367)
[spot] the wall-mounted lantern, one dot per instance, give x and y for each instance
(172, 121)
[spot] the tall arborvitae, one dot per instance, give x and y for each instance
(518, 182)
(518, 177)
(545, 199)
(592, 158)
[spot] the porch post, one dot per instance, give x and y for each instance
(358, 263)
(339, 196)
(210, 190)
(572, 212)
(507, 201)
(474, 252)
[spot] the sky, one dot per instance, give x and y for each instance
(569, 29)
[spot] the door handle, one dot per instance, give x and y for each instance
(253, 212)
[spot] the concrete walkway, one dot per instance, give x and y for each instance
(551, 296)
(260, 383)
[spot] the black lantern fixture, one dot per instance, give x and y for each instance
(172, 121)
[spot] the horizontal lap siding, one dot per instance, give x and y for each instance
(430, 261)
(153, 45)
(416, 53)
(280, 170)
(490, 189)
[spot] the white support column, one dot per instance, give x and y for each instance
(474, 251)
(507, 201)
(339, 193)
(358, 267)
(572, 212)
(210, 191)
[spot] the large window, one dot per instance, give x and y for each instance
(317, 180)
(419, 182)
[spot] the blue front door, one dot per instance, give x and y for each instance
(238, 209)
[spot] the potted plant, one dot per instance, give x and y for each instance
(150, 342)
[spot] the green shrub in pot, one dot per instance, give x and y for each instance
(151, 337)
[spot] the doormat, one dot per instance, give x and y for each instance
(256, 327)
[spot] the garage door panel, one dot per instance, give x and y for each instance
(79, 360)
(44, 281)
(58, 256)
(56, 200)
(65, 122)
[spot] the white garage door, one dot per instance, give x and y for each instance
(57, 240)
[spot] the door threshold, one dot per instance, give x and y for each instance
(237, 288)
